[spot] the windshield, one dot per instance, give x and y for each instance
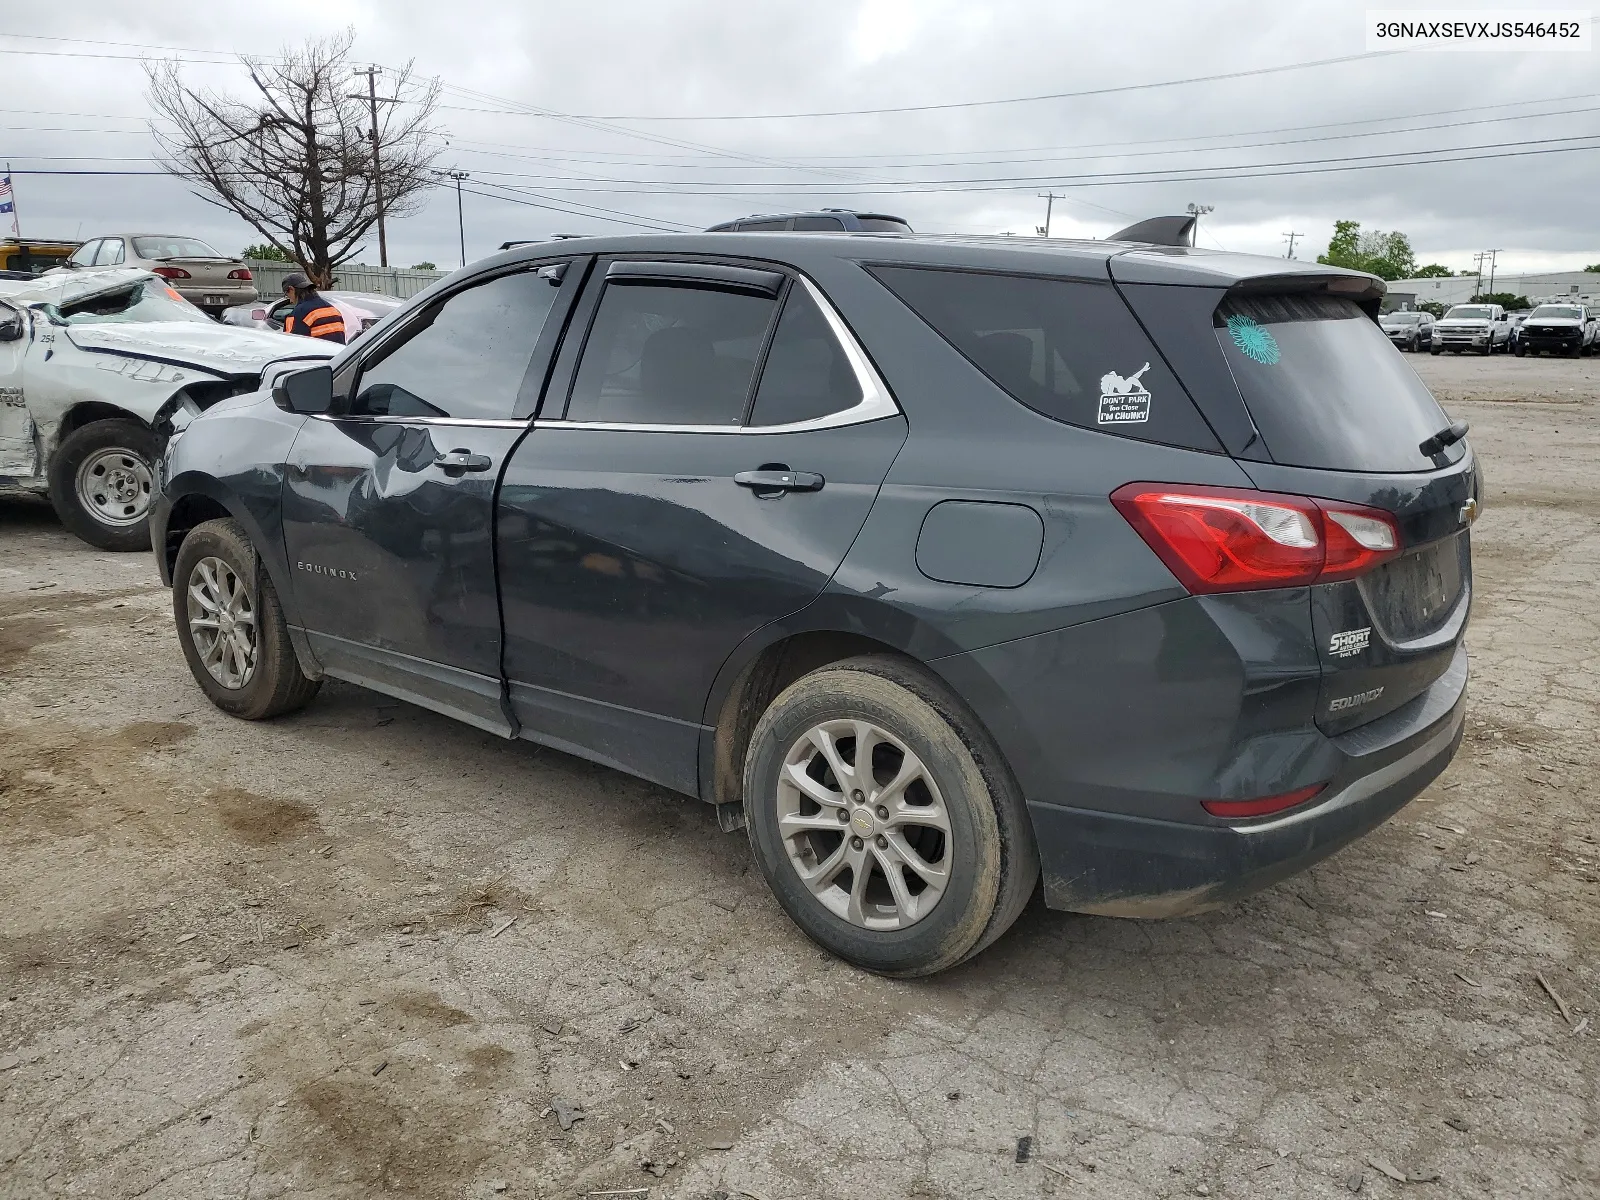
(1324, 385)
(1565, 311)
(173, 247)
(1400, 318)
(1470, 312)
(147, 300)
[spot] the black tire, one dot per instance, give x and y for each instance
(1519, 350)
(1435, 350)
(1415, 345)
(993, 862)
(276, 684)
(96, 443)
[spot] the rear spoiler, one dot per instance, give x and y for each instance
(1159, 231)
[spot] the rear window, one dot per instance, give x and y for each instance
(1069, 349)
(1324, 385)
(172, 247)
(884, 225)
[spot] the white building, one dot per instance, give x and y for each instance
(1583, 286)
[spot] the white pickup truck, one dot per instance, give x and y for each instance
(1480, 327)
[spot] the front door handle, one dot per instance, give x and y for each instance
(463, 460)
(779, 480)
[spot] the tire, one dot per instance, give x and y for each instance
(1519, 351)
(1416, 344)
(1435, 350)
(273, 683)
(990, 863)
(114, 462)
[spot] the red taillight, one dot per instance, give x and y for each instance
(1263, 807)
(171, 272)
(1232, 539)
(242, 273)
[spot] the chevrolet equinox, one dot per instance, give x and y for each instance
(952, 568)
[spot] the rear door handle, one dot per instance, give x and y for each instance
(463, 460)
(780, 481)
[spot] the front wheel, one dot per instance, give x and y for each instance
(100, 481)
(1519, 350)
(231, 625)
(884, 819)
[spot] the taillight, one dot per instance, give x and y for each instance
(1265, 806)
(171, 272)
(1231, 539)
(243, 273)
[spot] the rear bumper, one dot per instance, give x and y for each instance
(1117, 864)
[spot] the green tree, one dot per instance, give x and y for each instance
(1433, 271)
(1595, 267)
(264, 252)
(424, 266)
(1386, 255)
(1509, 301)
(1434, 307)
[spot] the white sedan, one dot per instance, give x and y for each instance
(97, 368)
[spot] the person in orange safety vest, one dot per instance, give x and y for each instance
(312, 316)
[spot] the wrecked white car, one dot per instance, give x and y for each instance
(96, 371)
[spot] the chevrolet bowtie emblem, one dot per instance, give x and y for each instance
(1469, 512)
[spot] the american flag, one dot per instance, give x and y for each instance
(5, 195)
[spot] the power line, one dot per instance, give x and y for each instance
(909, 108)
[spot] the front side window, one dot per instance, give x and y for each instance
(806, 375)
(83, 256)
(110, 254)
(467, 357)
(660, 354)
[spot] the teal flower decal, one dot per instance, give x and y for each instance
(1253, 341)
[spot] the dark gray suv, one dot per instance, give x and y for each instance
(949, 565)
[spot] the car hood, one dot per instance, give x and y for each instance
(205, 346)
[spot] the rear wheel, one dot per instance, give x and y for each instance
(231, 626)
(100, 481)
(884, 820)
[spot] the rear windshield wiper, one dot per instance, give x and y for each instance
(1444, 439)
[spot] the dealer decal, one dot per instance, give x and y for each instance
(1123, 401)
(1350, 642)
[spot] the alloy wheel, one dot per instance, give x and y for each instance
(864, 825)
(114, 486)
(222, 622)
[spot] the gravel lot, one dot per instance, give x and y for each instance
(268, 960)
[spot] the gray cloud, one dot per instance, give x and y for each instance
(634, 60)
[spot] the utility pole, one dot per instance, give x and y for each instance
(1493, 254)
(1197, 211)
(373, 99)
(1049, 199)
(1292, 235)
(461, 225)
(1478, 260)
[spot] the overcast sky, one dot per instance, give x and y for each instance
(626, 61)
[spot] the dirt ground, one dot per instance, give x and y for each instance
(262, 960)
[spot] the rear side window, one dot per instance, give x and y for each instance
(806, 374)
(1066, 348)
(669, 355)
(762, 226)
(884, 225)
(1324, 384)
(818, 225)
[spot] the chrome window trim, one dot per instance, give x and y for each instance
(875, 404)
(367, 419)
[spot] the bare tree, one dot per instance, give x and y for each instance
(294, 157)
